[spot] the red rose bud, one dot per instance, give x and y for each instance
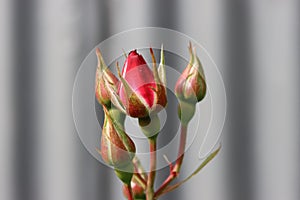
(117, 149)
(191, 85)
(142, 91)
(103, 77)
(137, 191)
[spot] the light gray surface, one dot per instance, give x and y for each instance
(254, 44)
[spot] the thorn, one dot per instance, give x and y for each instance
(169, 163)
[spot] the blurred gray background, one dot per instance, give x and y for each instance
(254, 43)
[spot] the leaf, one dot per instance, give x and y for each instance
(203, 164)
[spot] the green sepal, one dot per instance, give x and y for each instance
(101, 64)
(162, 67)
(197, 64)
(150, 125)
(186, 111)
(125, 173)
(154, 68)
(117, 116)
(115, 99)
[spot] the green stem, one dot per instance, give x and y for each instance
(152, 172)
(140, 180)
(140, 169)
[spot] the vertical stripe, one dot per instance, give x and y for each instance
(7, 113)
(240, 94)
(276, 56)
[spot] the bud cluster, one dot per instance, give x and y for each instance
(140, 92)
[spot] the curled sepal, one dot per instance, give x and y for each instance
(114, 97)
(162, 67)
(154, 67)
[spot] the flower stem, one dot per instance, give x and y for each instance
(140, 180)
(174, 171)
(129, 191)
(152, 172)
(139, 168)
(181, 149)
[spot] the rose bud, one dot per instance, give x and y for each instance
(117, 149)
(102, 95)
(137, 191)
(142, 92)
(190, 87)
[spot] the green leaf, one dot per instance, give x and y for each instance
(203, 164)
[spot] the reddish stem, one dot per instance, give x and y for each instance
(182, 143)
(139, 168)
(141, 179)
(152, 172)
(174, 171)
(129, 191)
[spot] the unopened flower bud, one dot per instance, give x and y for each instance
(191, 85)
(142, 92)
(117, 149)
(104, 77)
(190, 88)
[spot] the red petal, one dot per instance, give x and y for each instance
(140, 78)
